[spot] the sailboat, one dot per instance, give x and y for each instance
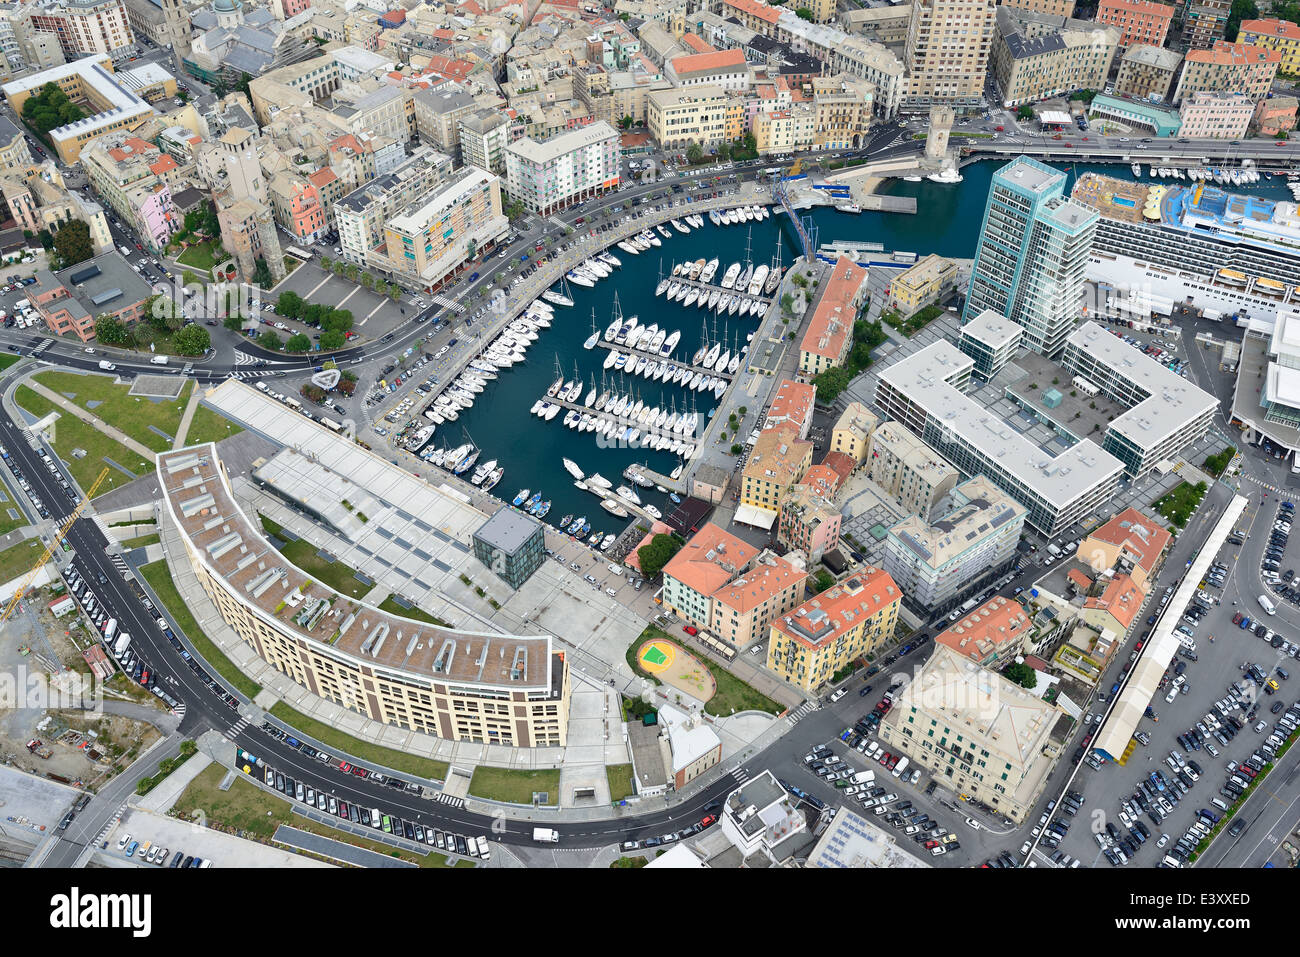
(595, 333)
(562, 297)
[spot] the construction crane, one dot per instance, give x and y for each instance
(55, 541)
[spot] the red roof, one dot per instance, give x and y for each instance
(694, 63)
(832, 322)
(164, 164)
(696, 44)
(322, 177)
(841, 463)
(981, 634)
(857, 598)
(1140, 538)
(1122, 598)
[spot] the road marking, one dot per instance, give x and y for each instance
(371, 313)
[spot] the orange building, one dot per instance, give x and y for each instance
(829, 337)
(1138, 21)
(793, 404)
(1130, 541)
(991, 635)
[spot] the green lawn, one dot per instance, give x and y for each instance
(303, 554)
(246, 807)
(515, 787)
(17, 560)
(7, 502)
(413, 613)
(160, 580)
(915, 322)
(620, 781)
(71, 433)
(208, 426)
(1179, 504)
(361, 750)
(7, 359)
(105, 400)
(141, 541)
(734, 695)
(201, 256)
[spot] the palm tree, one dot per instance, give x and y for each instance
(340, 268)
(326, 263)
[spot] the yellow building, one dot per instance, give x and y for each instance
(852, 432)
(678, 118)
(778, 462)
(925, 283)
(825, 633)
(1280, 35)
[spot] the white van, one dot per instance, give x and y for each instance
(158, 361)
(1267, 605)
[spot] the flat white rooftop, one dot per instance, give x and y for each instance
(1173, 401)
(1059, 481)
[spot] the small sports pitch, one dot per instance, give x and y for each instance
(675, 666)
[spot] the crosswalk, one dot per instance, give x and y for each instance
(798, 713)
(244, 359)
(112, 823)
(446, 303)
(179, 710)
(119, 563)
(236, 728)
(260, 374)
(451, 799)
(740, 775)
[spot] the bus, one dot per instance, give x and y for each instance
(296, 251)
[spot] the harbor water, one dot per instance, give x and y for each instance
(531, 450)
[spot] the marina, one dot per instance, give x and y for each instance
(484, 404)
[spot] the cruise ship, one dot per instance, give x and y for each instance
(1226, 251)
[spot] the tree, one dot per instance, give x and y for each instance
(471, 251)
(346, 386)
(340, 268)
(193, 340)
(395, 293)
(50, 108)
(830, 384)
(262, 274)
(270, 340)
(822, 581)
(724, 152)
(111, 332)
(803, 13)
(233, 323)
(1021, 674)
(326, 262)
(656, 553)
(72, 243)
(1243, 10)
(351, 271)
(367, 280)
(1026, 112)
(331, 339)
(312, 392)
(338, 320)
(289, 304)
(298, 342)
(694, 153)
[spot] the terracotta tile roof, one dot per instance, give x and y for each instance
(322, 177)
(793, 403)
(841, 463)
(1122, 598)
(988, 628)
(698, 45)
(1141, 538)
(714, 563)
(760, 10)
(821, 620)
(1270, 28)
(1234, 54)
(823, 479)
(832, 322)
(164, 164)
(695, 62)
(1078, 579)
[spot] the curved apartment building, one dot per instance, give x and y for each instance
(456, 684)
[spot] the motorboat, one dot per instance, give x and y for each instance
(663, 232)
(697, 267)
(491, 481)
(521, 497)
(596, 480)
(609, 259)
(608, 542)
(483, 471)
(707, 273)
(551, 413)
(613, 508)
(729, 277)
(756, 284)
(580, 280)
(680, 226)
(628, 248)
(949, 175)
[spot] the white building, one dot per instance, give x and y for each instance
(936, 564)
(926, 392)
(561, 171)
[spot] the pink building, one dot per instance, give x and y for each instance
(155, 215)
(1275, 116)
(1216, 115)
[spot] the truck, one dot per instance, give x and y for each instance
(40, 750)
(123, 643)
(1266, 603)
(545, 835)
(106, 365)
(864, 777)
(110, 629)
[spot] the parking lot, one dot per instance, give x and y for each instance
(146, 839)
(1205, 735)
(373, 316)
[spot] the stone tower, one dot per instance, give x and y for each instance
(936, 140)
